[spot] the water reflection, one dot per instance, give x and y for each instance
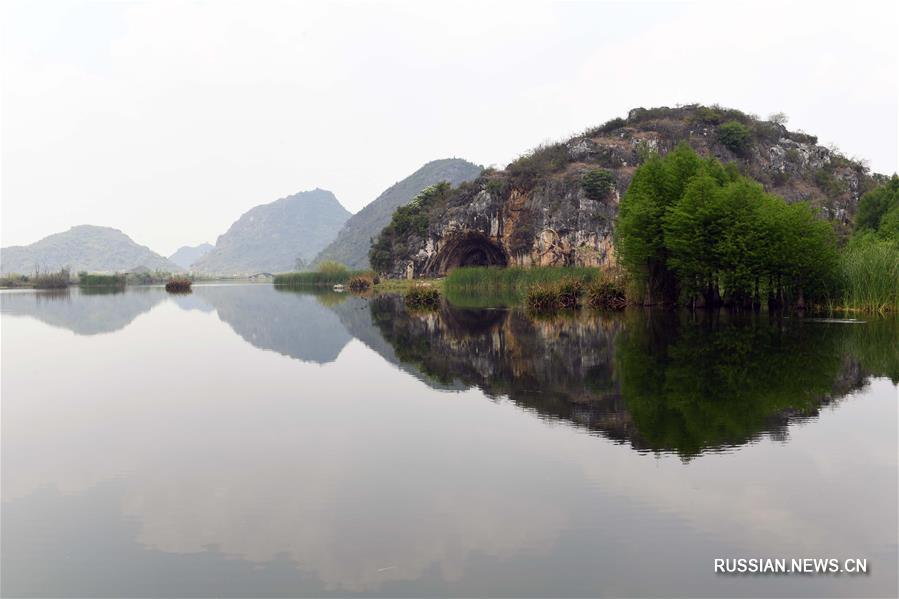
(661, 381)
(205, 467)
(298, 325)
(83, 311)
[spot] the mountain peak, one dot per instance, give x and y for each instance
(271, 237)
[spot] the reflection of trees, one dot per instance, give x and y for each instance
(659, 381)
(690, 386)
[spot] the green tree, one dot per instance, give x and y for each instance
(876, 203)
(697, 231)
(598, 183)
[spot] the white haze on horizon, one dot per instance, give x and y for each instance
(168, 120)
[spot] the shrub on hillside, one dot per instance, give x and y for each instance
(598, 184)
(735, 136)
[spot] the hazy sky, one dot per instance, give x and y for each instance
(168, 120)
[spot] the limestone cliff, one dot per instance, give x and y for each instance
(557, 205)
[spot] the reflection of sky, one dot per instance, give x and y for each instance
(195, 457)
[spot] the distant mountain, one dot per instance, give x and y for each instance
(188, 254)
(353, 241)
(270, 237)
(85, 247)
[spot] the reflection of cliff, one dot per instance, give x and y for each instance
(292, 324)
(658, 382)
(81, 311)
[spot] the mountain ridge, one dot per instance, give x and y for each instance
(557, 204)
(88, 248)
(352, 243)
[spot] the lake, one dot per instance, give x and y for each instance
(249, 441)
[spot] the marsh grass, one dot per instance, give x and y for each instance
(869, 277)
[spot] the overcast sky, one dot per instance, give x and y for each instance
(168, 120)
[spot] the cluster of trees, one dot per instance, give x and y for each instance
(694, 230)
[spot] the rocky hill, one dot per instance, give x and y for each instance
(271, 237)
(188, 254)
(557, 204)
(83, 248)
(354, 240)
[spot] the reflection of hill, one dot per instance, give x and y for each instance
(360, 321)
(655, 381)
(83, 312)
(292, 324)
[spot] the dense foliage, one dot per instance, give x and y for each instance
(878, 210)
(598, 183)
(694, 230)
(408, 222)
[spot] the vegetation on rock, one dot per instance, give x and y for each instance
(409, 223)
(354, 240)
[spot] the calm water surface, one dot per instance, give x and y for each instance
(247, 441)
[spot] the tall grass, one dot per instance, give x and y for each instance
(300, 279)
(93, 280)
(869, 276)
(514, 281)
(329, 273)
(51, 280)
(492, 286)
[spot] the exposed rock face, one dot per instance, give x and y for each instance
(83, 248)
(271, 237)
(539, 211)
(188, 254)
(352, 243)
